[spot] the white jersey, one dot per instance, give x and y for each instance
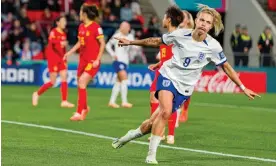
(189, 57)
(122, 53)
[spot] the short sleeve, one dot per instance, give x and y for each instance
(99, 32)
(52, 36)
(218, 56)
(167, 38)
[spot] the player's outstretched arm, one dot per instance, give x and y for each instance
(149, 42)
(227, 68)
(72, 50)
(153, 67)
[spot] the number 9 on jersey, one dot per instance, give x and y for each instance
(186, 62)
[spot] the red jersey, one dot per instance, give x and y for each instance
(56, 51)
(165, 53)
(88, 37)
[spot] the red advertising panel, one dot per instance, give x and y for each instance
(218, 82)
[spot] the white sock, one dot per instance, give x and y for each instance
(153, 145)
(124, 91)
(131, 135)
(115, 92)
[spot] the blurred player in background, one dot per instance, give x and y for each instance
(55, 51)
(165, 54)
(91, 44)
(192, 50)
(120, 64)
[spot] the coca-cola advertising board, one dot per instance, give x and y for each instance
(218, 82)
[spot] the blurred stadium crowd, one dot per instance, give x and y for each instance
(25, 25)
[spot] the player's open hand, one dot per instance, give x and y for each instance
(153, 67)
(250, 94)
(122, 41)
(64, 43)
(66, 56)
(96, 63)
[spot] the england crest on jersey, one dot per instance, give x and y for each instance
(201, 56)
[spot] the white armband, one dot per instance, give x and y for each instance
(242, 87)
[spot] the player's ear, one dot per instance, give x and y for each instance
(196, 19)
(169, 20)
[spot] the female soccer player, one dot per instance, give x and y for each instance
(120, 64)
(192, 50)
(165, 54)
(91, 44)
(55, 51)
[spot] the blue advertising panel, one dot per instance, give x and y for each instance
(139, 77)
(24, 75)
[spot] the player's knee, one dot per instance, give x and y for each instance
(63, 77)
(53, 81)
(165, 115)
(82, 83)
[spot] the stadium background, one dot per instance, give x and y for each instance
(27, 24)
(237, 126)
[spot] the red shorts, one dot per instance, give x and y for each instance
(154, 82)
(56, 66)
(88, 68)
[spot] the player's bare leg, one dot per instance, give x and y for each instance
(64, 90)
(114, 94)
(143, 129)
(165, 104)
(122, 75)
(82, 109)
(43, 88)
(154, 103)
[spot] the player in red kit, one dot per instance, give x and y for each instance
(91, 44)
(55, 51)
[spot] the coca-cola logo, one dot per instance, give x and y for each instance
(217, 82)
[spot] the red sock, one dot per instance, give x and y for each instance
(186, 105)
(171, 123)
(153, 107)
(44, 87)
(82, 103)
(64, 91)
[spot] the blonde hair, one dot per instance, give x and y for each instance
(217, 22)
(191, 23)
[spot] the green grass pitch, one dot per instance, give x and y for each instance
(225, 123)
